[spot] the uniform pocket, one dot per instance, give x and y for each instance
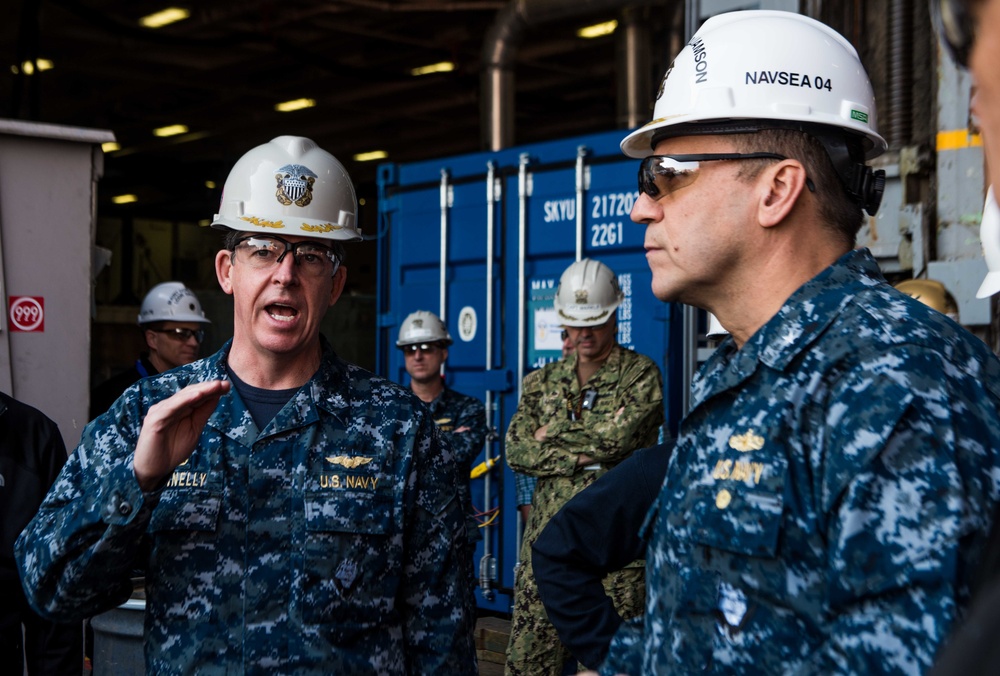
(351, 560)
(183, 529)
(188, 510)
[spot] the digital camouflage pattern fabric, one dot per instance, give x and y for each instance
(329, 542)
(462, 422)
(830, 492)
(625, 414)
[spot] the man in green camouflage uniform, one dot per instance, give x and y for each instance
(828, 499)
(577, 418)
(303, 513)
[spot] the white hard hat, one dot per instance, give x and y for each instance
(171, 302)
(756, 69)
(764, 65)
(989, 236)
(290, 186)
(423, 327)
(588, 294)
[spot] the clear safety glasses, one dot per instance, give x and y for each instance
(266, 251)
(956, 26)
(663, 174)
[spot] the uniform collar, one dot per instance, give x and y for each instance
(328, 390)
(804, 316)
(611, 364)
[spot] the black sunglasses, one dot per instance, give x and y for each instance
(663, 174)
(429, 348)
(183, 335)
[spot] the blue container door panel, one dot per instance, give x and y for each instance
(608, 204)
(552, 212)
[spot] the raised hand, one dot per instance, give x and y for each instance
(171, 430)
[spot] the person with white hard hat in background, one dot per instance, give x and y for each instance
(304, 516)
(173, 327)
(424, 340)
(830, 488)
(577, 418)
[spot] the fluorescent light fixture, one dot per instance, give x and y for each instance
(210, 185)
(372, 155)
(295, 104)
(164, 17)
(124, 199)
(441, 67)
(29, 67)
(598, 29)
(171, 130)
(110, 147)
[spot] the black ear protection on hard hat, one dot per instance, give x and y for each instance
(863, 183)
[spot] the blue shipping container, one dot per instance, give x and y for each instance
(481, 240)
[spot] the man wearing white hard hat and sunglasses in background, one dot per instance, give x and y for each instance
(424, 339)
(830, 487)
(173, 328)
(303, 514)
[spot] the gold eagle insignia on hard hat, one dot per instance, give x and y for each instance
(746, 442)
(347, 461)
(581, 296)
(295, 185)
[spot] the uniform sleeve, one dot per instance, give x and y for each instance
(569, 568)
(436, 600)
(76, 555)
(524, 452)
(626, 651)
(632, 421)
(896, 525)
(467, 444)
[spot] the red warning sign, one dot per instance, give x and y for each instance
(27, 313)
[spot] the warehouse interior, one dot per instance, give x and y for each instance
(410, 80)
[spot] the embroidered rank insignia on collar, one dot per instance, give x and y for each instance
(746, 442)
(347, 461)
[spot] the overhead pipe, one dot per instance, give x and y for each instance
(634, 49)
(500, 50)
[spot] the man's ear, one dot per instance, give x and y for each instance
(150, 337)
(224, 270)
(339, 280)
(781, 185)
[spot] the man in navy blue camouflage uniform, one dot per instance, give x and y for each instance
(833, 482)
(424, 340)
(303, 513)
